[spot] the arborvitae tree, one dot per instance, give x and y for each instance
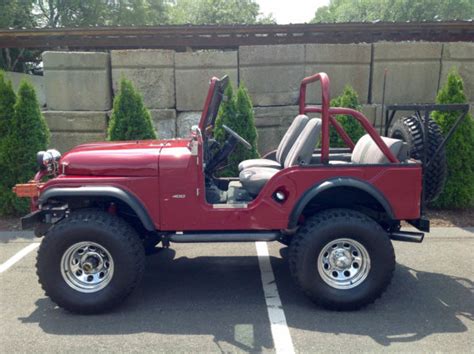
(28, 134)
(348, 99)
(237, 113)
(130, 119)
(459, 189)
(7, 104)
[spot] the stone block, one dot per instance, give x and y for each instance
(269, 138)
(370, 111)
(164, 121)
(272, 123)
(151, 72)
(272, 73)
(194, 71)
(461, 56)
(412, 71)
(381, 123)
(65, 141)
(77, 81)
(185, 121)
(67, 121)
(35, 80)
(346, 64)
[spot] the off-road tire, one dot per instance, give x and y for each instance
(107, 230)
(409, 129)
(320, 230)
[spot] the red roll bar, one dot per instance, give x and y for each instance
(327, 114)
(324, 81)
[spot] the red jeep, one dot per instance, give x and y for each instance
(107, 204)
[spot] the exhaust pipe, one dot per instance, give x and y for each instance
(407, 236)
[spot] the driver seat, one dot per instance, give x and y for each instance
(254, 178)
(284, 147)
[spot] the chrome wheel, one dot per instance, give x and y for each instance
(87, 267)
(343, 263)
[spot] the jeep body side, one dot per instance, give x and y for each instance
(124, 194)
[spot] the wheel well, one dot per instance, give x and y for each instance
(101, 196)
(112, 205)
(353, 198)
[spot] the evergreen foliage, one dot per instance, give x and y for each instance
(7, 104)
(28, 134)
(237, 113)
(130, 119)
(394, 10)
(348, 99)
(459, 189)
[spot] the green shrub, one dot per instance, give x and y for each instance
(459, 189)
(237, 113)
(130, 119)
(7, 104)
(28, 134)
(348, 99)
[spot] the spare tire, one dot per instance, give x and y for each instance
(410, 130)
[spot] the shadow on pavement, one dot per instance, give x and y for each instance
(223, 297)
(217, 296)
(416, 305)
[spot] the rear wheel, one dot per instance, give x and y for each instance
(342, 259)
(90, 261)
(410, 130)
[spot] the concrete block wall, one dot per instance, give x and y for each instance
(460, 55)
(413, 72)
(35, 80)
(151, 72)
(79, 87)
(272, 73)
(346, 64)
(78, 95)
(193, 71)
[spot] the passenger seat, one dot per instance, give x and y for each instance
(254, 178)
(284, 147)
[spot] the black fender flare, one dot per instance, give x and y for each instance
(318, 188)
(102, 191)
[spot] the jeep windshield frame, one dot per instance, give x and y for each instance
(213, 101)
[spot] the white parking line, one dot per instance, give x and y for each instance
(22, 253)
(280, 332)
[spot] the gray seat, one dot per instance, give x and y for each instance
(284, 147)
(254, 178)
(366, 151)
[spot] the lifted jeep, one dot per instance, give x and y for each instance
(107, 204)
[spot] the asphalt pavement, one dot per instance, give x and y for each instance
(210, 298)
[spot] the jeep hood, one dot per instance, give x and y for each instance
(125, 158)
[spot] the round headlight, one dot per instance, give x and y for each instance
(39, 158)
(47, 158)
(55, 154)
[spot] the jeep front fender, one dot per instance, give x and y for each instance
(101, 191)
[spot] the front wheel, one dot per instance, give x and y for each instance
(342, 259)
(90, 261)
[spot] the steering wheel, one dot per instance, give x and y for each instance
(238, 137)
